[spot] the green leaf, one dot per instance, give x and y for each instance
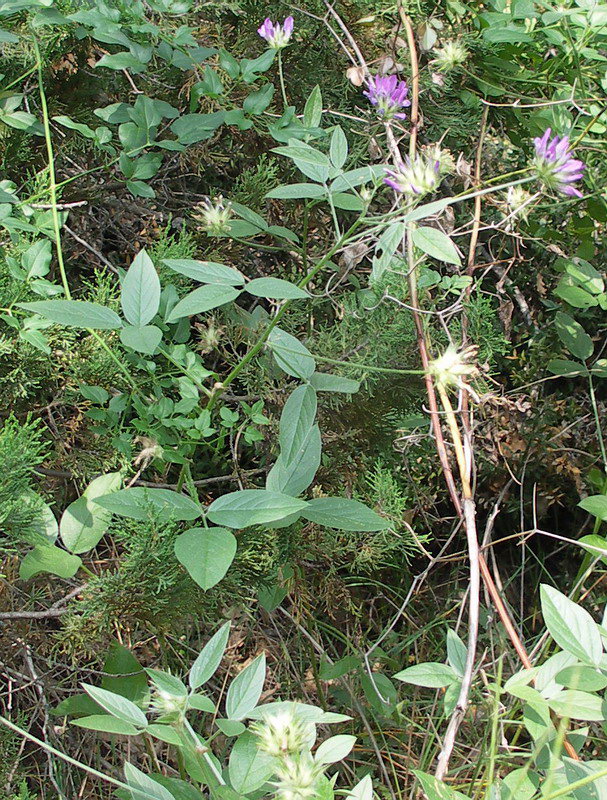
(300, 444)
(117, 705)
(573, 336)
(83, 523)
(201, 703)
(139, 502)
(120, 61)
(205, 298)
(427, 210)
(355, 177)
(192, 128)
(178, 788)
(275, 289)
(338, 149)
(205, 271)
(163, 732)
(457, 653)
(210, 657)
(571, 626)
(140, 295)
(76, 314)
(344, 514)
(575, 296)
(47, 558)
(257, 102)
(206, 553)
(313, 109)
(106, 724)
(580, 677)
(578, 705)
(167, 683)
(585, 275)
(245, 690)
(363, 790)
(595, 545)
(249, 767)
(596, 789)
(314, 164)
(431, 674)
(324, 382)
(291, 355)
(561, 366)
(293, 477)
(334, 749)
(297, 191)
(125, 675)
(595, 505)
(252, 507)
(435, 789)
(36, 259)
(142, 340)
(436, 244)
(230, 727)
(347, 202)
(143, 787)
(520, 784)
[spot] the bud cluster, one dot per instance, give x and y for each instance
(214, 216)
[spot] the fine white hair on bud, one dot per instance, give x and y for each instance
(283, 733)
(452, 54)
(454, 365)
(214, 216)
(296, 778)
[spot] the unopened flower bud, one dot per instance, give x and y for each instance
(282, 734)
(415, 177)
(453, 366)
(170, 706)
(296, 778)
(450, 55)
(214, 216)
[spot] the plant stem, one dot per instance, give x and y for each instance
(281, 77)
(50, 749)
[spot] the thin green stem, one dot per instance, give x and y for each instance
(51, 171)
(281, 77)
(55, 213)
(50, 749)
(597, 420)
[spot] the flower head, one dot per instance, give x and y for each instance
(517, 202)
(283, 733)
(556, 168)
(388, 95)
(416, 176)
(214, 216)
(453, 366)
(450, 55)
(171, 707)
(296, 778)
(276, 35)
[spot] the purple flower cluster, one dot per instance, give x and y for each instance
(415, 177)
(555, 165)
(276, 35)
(388, 95)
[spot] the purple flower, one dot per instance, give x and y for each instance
(388, 95)
(555, 166)
(276, 35)
(415, 177)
